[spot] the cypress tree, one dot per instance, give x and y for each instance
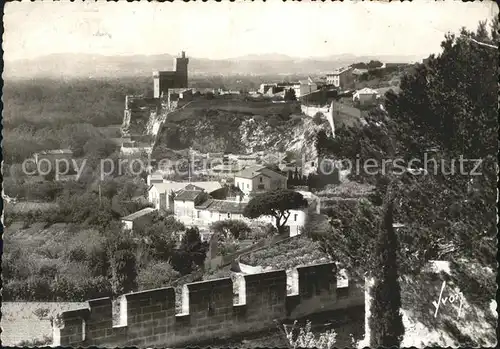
(386, 322)
(290, 179)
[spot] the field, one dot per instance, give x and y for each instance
(288, 254)
(20, 323)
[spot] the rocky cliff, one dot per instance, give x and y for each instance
(238, 131)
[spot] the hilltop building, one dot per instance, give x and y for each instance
(366, 97)
(163, 81)
(342, 77)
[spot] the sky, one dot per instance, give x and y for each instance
(225, 30)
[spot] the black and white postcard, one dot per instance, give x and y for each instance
(293, 174)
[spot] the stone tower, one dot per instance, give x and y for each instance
(181, 69)
(163, 81)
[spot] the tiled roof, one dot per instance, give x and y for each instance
(270, 173)
(249, 172)
(168, 187)
(367, 91)
(223, 206)
(254, 171)
(187, 195)
(138, 214)
(208, 186)
(176, 186)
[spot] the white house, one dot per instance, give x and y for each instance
(197, 209)
(210, 211)
(155, 177)
(366, 96)
(305, 87)
(342, 77)
(161, 195)
(185, 202)
(259, 178)
(263, 88)
(137, 219)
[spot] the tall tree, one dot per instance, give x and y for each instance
(297, 179)
(191, 252)
(386, 322)
(277, 204)
(290, 95)
(123, 264)
(290, 178)
(230, 228)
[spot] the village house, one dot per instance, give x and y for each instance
(366, 97)
(342, 78)
(155, 177)
(263, 88)
(161, 195)
(185, 201)
(192, 212)
(305, 87)
(300, 88)
(254, 179)
(212, 210)
(137, 220)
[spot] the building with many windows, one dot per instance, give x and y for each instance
(342, 78)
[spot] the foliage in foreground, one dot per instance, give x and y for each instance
(303, 337)
(77, 264)
(446, 110)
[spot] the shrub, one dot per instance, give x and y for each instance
(41, 313)
(303, 337)
(230, 229)
(96, 287)
(14, 290)
(123, 272)
(227, 248)
(48, 271)
(38, 288)
(63, 289)
(77, 254)
(32, 343)
(155, 275)
(318, 118)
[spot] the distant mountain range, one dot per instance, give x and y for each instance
(86, 65)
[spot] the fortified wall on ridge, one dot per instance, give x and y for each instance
(149, 319)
